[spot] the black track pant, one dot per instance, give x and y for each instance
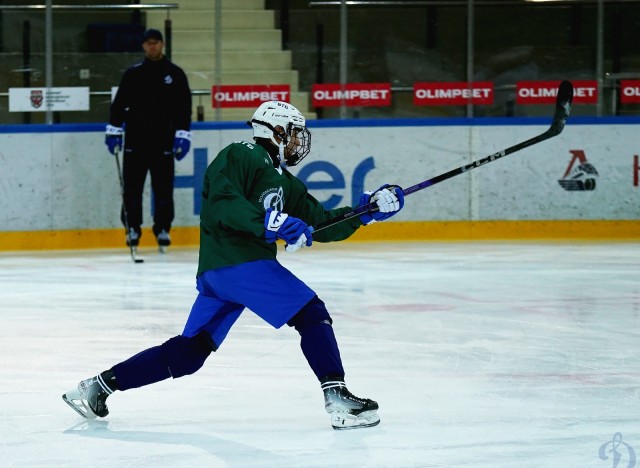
(136, 165)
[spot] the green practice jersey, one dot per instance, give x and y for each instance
(240, 184)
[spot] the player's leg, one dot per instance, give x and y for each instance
(279, 297)
(319, 345)
(317, 339)
(181, 355)
(176, 357)
(162, 180)
(134, 174)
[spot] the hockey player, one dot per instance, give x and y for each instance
(153, 107)
(251, 200)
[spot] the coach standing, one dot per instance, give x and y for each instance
(151, 112)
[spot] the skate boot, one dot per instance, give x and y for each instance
(346, 410)
(133, 238)
(164, 241)
(89, 400)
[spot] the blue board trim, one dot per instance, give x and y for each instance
(347, 123)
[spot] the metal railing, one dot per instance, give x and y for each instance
(48, 9)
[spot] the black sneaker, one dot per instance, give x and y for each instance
(347, 411)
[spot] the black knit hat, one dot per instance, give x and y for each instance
(152, 34)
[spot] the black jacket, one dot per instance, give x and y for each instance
(153, 101)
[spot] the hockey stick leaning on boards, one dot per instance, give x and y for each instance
(563, 108)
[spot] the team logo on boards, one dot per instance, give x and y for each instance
(36, 98)
(618, 451)
(580, 174)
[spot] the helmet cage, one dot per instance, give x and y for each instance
(301, 140)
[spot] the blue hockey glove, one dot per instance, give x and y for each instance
(181, 144)
(113, 138)
(279, 225)
(388, 198)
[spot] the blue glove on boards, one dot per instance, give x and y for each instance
(293, 231)
(113, 138)
(181, 144)
(389, 200)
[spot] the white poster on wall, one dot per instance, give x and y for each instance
(45, 99)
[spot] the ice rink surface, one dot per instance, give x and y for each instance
(479, 354)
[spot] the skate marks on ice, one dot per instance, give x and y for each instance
(224, 451)
(479, 355)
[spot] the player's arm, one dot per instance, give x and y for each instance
(183, 104)
(225, 204)
(122, 100)
(114, 131)
(305, 206)
(181, 107)
(387, 200)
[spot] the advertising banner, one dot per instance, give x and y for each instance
(630, 91)
(248, 95)
(453, 94)
(351, 94)
(545, 92)
(45, 99)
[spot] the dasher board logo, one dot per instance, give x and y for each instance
(580, 174)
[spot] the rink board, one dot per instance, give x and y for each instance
(60, 187)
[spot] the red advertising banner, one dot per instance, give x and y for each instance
(630, 91)
(453, 93)
(351, 94)
(248, 95)
(545, 92)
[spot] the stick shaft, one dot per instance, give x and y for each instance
(563, 107)
(125, 216)
(435, 180)
(480, 162)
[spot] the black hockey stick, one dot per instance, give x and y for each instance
(132, 249)
(563, 108)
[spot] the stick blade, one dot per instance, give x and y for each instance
(563, 107)
(565, 94)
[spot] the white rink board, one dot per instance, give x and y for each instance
(68, 180)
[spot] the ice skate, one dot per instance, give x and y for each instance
(133, 238)
(164, 241)
(89, 399)
(346, 410)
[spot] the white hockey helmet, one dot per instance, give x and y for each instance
(296, 138)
